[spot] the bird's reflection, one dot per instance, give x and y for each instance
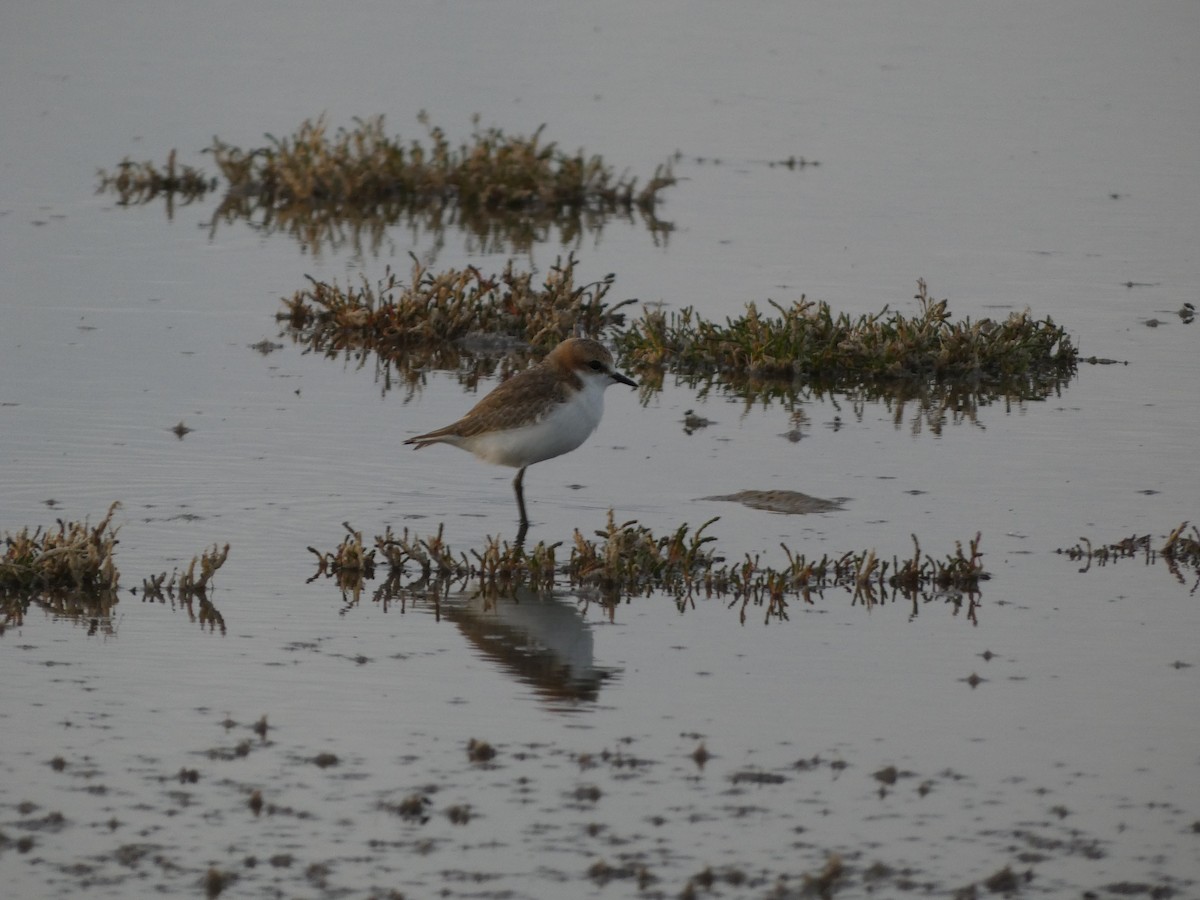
(541, 639)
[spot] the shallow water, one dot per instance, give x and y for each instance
(977, 148)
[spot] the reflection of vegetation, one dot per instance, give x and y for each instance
(1180, 551)
(926, 403)
(69, 571)
(629, 560)
(426, 323)
(505, 192)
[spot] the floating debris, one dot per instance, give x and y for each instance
(693, 423)
(789, 502)
(480, 751)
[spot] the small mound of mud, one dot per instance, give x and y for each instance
(790, 502)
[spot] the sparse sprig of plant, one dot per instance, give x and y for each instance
(189, 588)
(431, 556)
(351, 563)
(142, 182)
(1180, 551)
(630, 560)
(350, 557)
(502, 567)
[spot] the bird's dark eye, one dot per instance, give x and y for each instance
(596, 366)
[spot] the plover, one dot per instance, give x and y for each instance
(545, 411)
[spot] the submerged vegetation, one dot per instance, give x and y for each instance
(327, 189)
(628, 560)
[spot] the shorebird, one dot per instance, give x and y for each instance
(545, 411)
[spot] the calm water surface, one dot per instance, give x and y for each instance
(1015, 155)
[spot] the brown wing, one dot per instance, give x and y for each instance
(518, 401)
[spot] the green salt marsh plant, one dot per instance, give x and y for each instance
(806, 339)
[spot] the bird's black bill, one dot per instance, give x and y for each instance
(617, 376)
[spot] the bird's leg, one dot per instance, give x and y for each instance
(519, 487)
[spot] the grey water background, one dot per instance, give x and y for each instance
(1014, 155)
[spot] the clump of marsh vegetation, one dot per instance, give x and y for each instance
(430, 320)
(942, 369)
(1180, 550)
(68, 570)
(452, 306)
(505, 191)
(806, 340)
(351, 563)
(627, 560)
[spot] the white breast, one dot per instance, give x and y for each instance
(560, 431)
